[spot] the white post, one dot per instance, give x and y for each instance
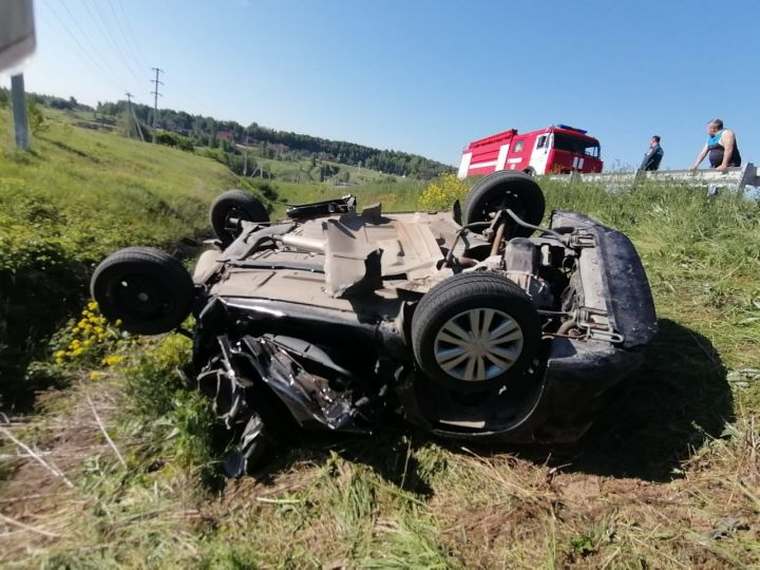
(20, 122)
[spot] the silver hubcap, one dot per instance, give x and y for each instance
(479, 344)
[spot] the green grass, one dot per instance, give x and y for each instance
(395, 196)
(75, 197)
(305, 171)
(667, 478)
(92, 192)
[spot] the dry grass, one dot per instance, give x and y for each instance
(397, 501)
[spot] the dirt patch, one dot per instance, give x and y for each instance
(36, 504)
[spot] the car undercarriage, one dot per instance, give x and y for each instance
(471, 324)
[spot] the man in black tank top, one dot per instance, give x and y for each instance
(721, 146)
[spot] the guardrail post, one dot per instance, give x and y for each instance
(748, 177)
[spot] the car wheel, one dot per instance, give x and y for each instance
(501, 190)
(475, 331)
(229, 208)
(147, 289)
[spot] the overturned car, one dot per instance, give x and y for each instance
(474, 324)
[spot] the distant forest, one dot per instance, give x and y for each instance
(199, 131)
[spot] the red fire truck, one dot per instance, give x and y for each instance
(556, 149)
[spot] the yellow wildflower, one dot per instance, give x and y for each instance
(113, 359)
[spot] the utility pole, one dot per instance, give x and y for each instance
(156, 94)
(18, 98)
(129, 113)
(133, 117)
(245, 155)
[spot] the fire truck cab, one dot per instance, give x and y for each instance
(557, 149)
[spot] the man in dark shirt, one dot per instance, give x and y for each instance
(653, 157)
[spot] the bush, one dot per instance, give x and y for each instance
(266, 189)
(442, 192)
(174, 140)
(36, 117)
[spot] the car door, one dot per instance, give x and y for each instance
(540, 155)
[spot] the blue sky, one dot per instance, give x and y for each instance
(424, 76)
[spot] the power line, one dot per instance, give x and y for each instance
(88, 55)
(121, 26)
(107, 33)
(131, 34)
(81, 31)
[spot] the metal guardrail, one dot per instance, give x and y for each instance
(739, 178)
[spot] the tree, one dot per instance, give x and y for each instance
(283, 145)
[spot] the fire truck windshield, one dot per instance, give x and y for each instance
(576, 145)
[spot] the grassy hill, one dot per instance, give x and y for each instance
(667, 478)
(77, 196)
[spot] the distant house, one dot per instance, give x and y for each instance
(225, 135)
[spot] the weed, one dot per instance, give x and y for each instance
(152, 382)
(88, 340)
(442, 192)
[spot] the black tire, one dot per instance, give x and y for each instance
(147, 289)
(505, 189)
(467, 292)
(235, 204)
(530, 171)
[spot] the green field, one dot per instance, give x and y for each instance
(669, 476)
(306, 170)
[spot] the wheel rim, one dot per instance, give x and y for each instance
(478, 344)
